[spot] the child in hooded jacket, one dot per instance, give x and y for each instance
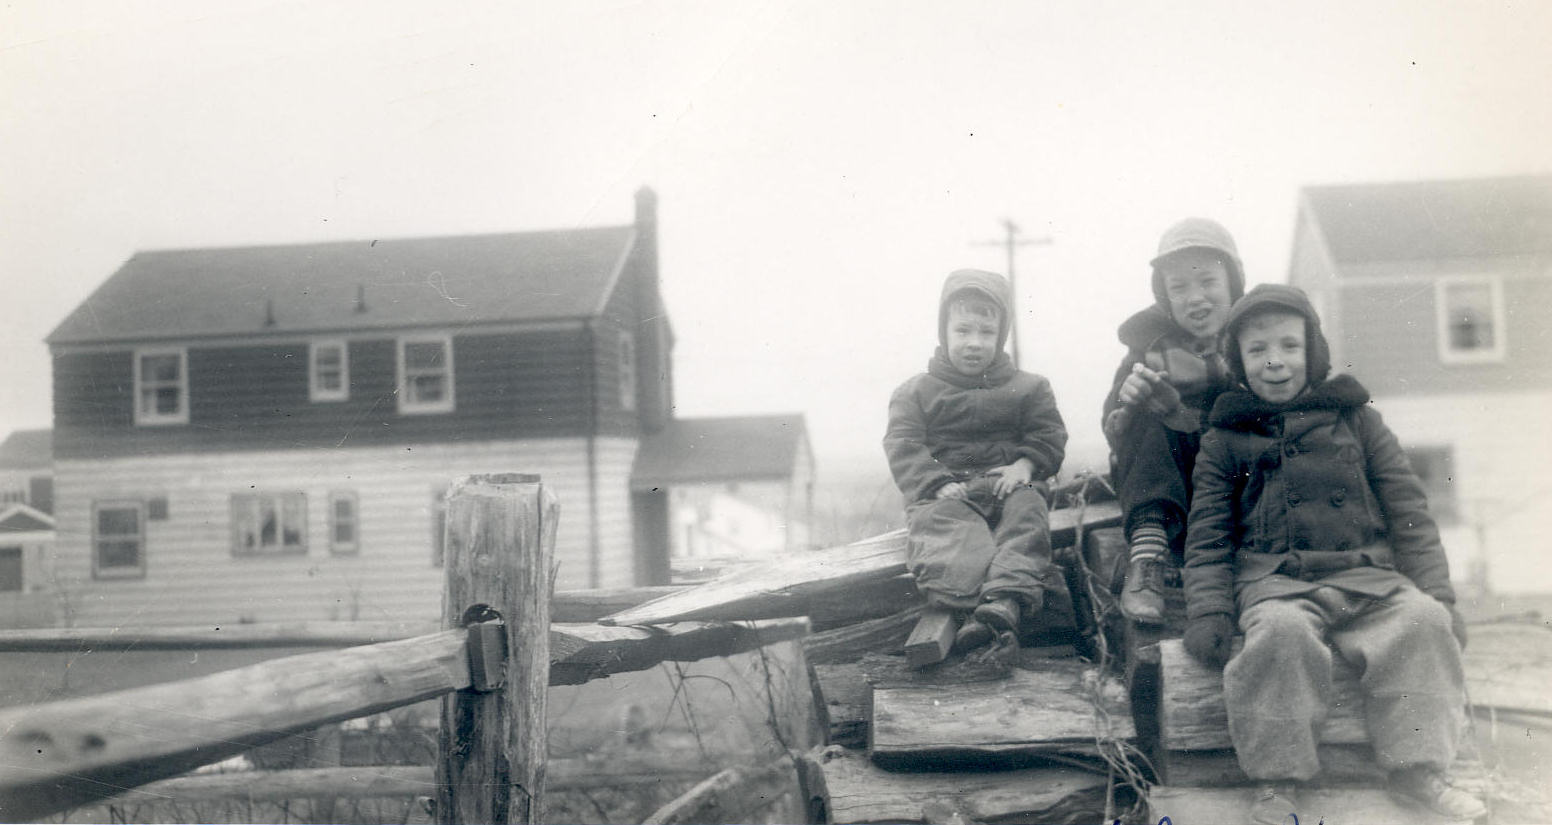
(970, 443)
(1155, 413)
(1308, 523)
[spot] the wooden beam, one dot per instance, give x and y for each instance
(861, 792)
(207, 637)
(790, 585)
(1065, 707)
(582, 652)
(68, 753)
(492, 746)
(587, 606)
(1192, 715)
(932, 637)
(736, 794)
(1332, 806)
(850, 642)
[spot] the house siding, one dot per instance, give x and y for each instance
(193, 577)
(255, 397)
(1502, 453)
(1388, 334)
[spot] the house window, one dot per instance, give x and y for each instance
(438, 523)
(344, 523)
(10, 570)
(627, 371)
(1470, 319)
(1435, 468)
(161, 386)
(12, 494)
(118, 540)
(425, 375)
(156, 509)
(328, 372)
(269, 524)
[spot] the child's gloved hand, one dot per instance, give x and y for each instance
(953, 489)
(1011, 476)
(1207, 638)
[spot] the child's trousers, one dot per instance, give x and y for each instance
(1278, 688)
(1152, 472)
(965, 551)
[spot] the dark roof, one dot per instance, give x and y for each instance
(25, 449)
(19, 518)
(1435, 219)
(744, 448)
(410, 282)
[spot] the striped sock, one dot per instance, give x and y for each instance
(1149, 540)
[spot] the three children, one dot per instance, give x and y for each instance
(1292, 504)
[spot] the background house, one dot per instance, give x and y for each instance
(26, 529)
(264, 433)
(27, 469)
(738, 489)
(1435, 295)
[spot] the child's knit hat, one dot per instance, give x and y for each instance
(982, 284)
(1199, 233)
(1273, 297)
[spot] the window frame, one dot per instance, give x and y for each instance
(137, 571)
(407, 404)
(316, 392)
(21, 567)
(628, 378)
(337, 547)
(1448, 354)
(254, 499)
(145, 418)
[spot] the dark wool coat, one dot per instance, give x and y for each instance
(1319, 473)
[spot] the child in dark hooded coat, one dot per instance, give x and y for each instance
(971, 442)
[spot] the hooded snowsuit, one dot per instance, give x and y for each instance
(945, 426)
(1307, 519)
(1152, 457)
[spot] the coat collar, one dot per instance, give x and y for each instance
(1240, 409)
(1147, 326)
(996, 375)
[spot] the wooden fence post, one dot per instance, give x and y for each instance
(500, 547)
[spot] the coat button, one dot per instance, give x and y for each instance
(1290, 449)
(1294, 499)
(1338, 498)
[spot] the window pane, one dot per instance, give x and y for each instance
(343, 507)
(118, 554)
(1470, 308)
(159, 368)
(427, 388)
(328, 357)
(118, 521)
(424, 355)
(291, 509)
(344, 533)
(167, 400)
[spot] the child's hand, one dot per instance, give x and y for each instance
(953, 489)
(1149, 389)
(1011, 476)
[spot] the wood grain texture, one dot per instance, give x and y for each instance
(1049, 710)
(861, 792)
(582, 652)
(500, 541)
(1192, 715)
(72, 752)
(850, 642)
(790, 585)
(1332, 806)
(931, 638)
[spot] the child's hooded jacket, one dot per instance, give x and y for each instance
(945, 426)
(1316, 488)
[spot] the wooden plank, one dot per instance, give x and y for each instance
(492, 746)
(1332, 806)
(788, 586)
(1340, 766)
(932, 637)
(68, 753)
(861, 792)
(582, 652)
(1508, 667)
(846, 695)
(1192, 715)
(732, 795)
(1064, 707)
(587, 606)
(851, 642)
(205, 637)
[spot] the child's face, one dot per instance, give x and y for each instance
(1271, 346)
(1197, 285)
(972, 336)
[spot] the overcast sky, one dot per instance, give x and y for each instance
(821, 165)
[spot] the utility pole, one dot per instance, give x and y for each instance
(1011, 241)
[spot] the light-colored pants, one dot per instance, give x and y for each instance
(1278, 688)
(965, 551)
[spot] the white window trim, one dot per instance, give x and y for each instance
(408, 407)
(343, 548)
(152, 419)
(316, 392)
(136, 572)
(1500, 347)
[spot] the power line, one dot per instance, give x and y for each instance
(1011, 242)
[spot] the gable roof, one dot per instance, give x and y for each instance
(1435, 219)
(311, 288)
(742, 448)
(20, 518)
(27, 449)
